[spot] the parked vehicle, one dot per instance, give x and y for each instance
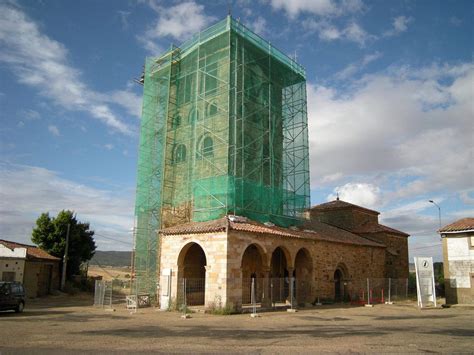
(12, 296)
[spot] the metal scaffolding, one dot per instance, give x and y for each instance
(224, 131)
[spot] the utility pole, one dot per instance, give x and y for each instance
(439, 211)
(63, 276)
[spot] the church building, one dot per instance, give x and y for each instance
(223, 179)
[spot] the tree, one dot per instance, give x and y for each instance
(50, 235)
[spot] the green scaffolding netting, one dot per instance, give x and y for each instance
(224, 131)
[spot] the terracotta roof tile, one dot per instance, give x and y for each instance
(215, 225)
(313, 230)
(377, 228)
(32, 252)
(460, 225)
(339, 204)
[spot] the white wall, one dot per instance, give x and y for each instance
(12, 261)
(460, 261)
(12, 265)
(15, 253)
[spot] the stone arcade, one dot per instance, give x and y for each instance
(221, 257)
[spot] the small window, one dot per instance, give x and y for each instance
(205, 148)
(176, 121)
(211, 109)
(193, 115)
(179, 153)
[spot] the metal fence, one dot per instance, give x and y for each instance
(109, 294)
(373, 291)
(259, 293)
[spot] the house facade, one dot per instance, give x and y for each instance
(36, 269)
(458, 254)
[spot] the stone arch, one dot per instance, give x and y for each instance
(212, 108)
(179, 154)
(205, 147)
(281, 272)
(341, 275)
(192, 263)
(193, 115)
(303, 276)
(253, 267)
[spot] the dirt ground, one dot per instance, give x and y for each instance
(59, 324)
(108, 272)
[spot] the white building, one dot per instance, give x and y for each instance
(30, 265)
(458, 250)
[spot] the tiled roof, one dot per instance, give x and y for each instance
(461, 225)
(377, 228)
(32, 252)
(313, 230)
(339, 204)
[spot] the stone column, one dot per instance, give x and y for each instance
(208, 292)
(291, 286)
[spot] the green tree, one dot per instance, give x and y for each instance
(50, 235)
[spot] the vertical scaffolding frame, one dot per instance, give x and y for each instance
(224, 131)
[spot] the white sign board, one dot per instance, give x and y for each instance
(425, 285)
(165, 290)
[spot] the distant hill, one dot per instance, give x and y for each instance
(111, 258)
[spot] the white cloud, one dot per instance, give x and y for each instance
(410, 126)
(129, 100)
(330, 33)
(28, 191)
(54, 130)
(362, 194)
(109, 146)
(318, 7)
(123, 16)
(29, 114)
(327, 31)
(455, 21)
(259, 26)
(355, 33)
(357, 67)
(179, 22)
(399, 25)
(41, 62)
(466, 196)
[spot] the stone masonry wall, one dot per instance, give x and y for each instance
(224, 261)
(396, 265)
(357, 262)
(214, 246)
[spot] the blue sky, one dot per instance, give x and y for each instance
(390, 104)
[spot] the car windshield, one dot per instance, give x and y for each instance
(3, 287)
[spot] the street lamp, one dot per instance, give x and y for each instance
(439, 212)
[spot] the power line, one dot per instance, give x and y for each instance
(425, 247)
(116, 240)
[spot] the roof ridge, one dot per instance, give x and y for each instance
(338, 203)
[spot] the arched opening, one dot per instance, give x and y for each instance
(339, 284)
(252, 272)
(211, 109)
(303, 276)
(205, 147)
(192, 274)
(280, 278)
(193, 115)
(179, 154)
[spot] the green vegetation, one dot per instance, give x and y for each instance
(50, 235)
